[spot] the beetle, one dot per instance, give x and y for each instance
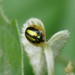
(34, 35)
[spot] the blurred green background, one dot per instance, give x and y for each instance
(56, 15)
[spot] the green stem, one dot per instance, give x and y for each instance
(22, 64)
(2, 14)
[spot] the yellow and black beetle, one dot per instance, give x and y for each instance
(35, 35)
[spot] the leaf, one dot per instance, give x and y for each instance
(10, 49)
(35, 53)
(49, 59)
(58, 41)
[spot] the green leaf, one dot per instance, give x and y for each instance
(11, 62)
